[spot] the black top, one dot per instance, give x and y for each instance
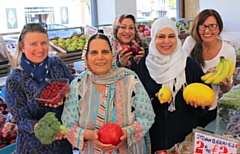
(171, 127)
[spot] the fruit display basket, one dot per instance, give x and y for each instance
(4, 69)
(54, 91)
(4, 66)
(75, 43)
(182, 25)
(229, 103)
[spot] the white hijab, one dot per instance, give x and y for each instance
(168, 70)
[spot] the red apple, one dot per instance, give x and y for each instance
(110, 133)
(135, 49)
(127, 47)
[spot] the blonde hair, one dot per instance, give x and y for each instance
(34, 28)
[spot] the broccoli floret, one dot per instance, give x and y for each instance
(48, 128)
(63, 129)
(56, 126)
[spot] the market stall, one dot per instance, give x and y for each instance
(7, 56)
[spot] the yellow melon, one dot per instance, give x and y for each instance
(200, 93)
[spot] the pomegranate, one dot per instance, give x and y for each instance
(110, 133)
(135, 49)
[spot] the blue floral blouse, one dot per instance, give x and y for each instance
(20, 92)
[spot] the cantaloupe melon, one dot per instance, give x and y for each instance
(200, 93)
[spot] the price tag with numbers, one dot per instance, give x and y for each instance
(206, 143)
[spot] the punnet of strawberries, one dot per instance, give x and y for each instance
(54, 91)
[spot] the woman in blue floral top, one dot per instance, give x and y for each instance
(25, 82)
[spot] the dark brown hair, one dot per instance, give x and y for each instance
(196, 53)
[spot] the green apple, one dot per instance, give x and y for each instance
(75, 38)
(75, 41)
(54, 41)
(69, 40)
(62, 40)
(79, 48)
(61, 44)
(71, 48)
(83, 37)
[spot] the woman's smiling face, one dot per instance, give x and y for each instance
(35, 46)
(126, 31)
(165, 41)
(99, 57)
(208, 35)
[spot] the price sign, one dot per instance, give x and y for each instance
(91, 30)
(205, 143)
(107, 31)
(11, 46)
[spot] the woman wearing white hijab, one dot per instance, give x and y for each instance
(167, 65)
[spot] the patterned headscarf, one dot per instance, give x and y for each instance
(118, 20)
(110, 80)
(168, 70)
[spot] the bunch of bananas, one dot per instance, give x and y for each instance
(224, 69)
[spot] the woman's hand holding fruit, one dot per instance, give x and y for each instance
(93, 135)
(59, 103)
(137, 51)
(124, 55)
(140, 55)
(195, 104)
(123, 139)
(126, 52)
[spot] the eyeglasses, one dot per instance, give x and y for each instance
(210, 27)
(30, 26)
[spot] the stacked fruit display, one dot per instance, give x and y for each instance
(229, 102)
(73, 43)
(182, 26)
(8, 130)
(3, 106)
(224, 69)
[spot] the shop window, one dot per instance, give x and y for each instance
(150, 9)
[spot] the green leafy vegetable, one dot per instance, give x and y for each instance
(48, 128)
